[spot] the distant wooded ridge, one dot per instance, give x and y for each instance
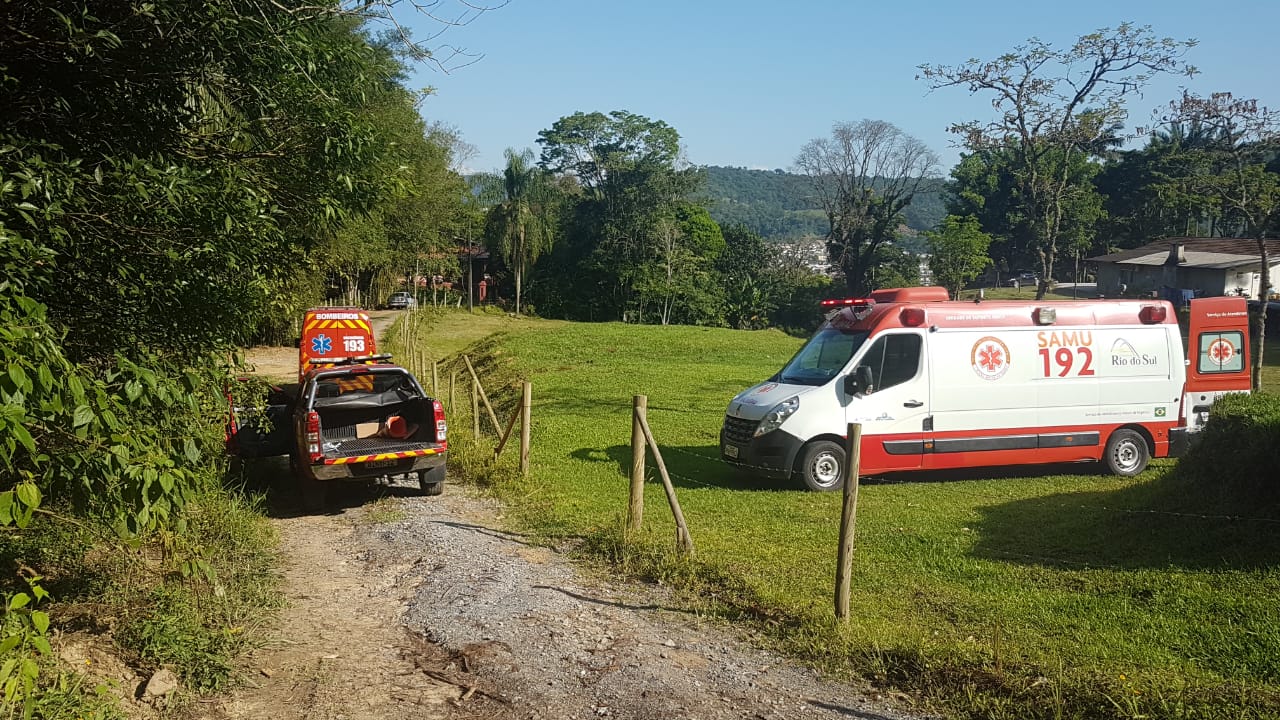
(779, 205)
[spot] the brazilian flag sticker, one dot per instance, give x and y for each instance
(1160, 412)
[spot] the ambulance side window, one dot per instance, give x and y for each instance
(1220, 352)
(893, 359)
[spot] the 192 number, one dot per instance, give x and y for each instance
(1064, 360)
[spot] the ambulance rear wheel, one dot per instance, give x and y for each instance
(1127, 453)
(822, 466)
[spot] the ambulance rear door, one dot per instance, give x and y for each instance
(1217, 355)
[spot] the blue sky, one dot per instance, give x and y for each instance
(748, 83)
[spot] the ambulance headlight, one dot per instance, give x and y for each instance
(778, 414)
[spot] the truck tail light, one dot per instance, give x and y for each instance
(442, 427)
(313, 437)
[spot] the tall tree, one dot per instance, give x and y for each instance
(632, 180)
(748, 277)
(522, 225)
(958, 252)
(864, 175)
(680, 278)
(1054, 105)
(1233, 174)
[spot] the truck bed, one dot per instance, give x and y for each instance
(341, 441)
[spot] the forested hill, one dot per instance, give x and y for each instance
(778, 204)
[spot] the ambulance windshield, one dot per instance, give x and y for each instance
(822, 357)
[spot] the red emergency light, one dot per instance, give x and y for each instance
(848, 302)
(1151, 314)
(912, 316)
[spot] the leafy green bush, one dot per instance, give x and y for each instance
(1240, 448)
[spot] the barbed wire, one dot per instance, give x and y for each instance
(954, 488)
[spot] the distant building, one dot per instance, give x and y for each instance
(1209, 266)
(809, 252)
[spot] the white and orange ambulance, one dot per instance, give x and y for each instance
(938, 384)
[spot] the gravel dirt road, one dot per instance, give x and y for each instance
(403, 606)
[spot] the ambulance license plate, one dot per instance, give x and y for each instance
(374, 464)
(731, 451)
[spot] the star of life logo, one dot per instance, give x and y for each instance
(990, 358)
(1221, 352)
(321, 344)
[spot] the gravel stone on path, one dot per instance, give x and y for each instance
(543, 640)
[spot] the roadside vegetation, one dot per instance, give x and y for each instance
(150, 224)
(1011, 593)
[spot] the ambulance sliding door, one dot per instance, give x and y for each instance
(984, 397)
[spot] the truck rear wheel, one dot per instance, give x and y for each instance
(1127, 453)
(311, 492)
(822, 466)
(432, 481)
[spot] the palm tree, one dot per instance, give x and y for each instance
(521, 225)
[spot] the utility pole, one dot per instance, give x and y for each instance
(470, 273)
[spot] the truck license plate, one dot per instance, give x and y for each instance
(380, 464)
(731, 451)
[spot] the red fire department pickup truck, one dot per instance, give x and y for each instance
(352, 415)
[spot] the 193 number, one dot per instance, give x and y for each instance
(353, 344)
(1063, 360)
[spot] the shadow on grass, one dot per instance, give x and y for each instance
(1171, 521)
(695, 466)
(691, 466)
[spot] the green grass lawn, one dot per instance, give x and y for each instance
(1019, 592)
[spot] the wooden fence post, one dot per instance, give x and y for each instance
(475, 408)
(635, 505)
(476, 378)
(683, 539)
(453, 381)
(435, 378)
(848, 519)
(526, 414)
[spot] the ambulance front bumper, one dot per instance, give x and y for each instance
(771, 455)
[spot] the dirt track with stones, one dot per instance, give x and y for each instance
(409, 606)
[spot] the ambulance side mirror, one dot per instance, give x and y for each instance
(297, 342)
(857, 382)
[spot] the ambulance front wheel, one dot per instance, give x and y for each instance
(822, 466)
(1127, 453)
